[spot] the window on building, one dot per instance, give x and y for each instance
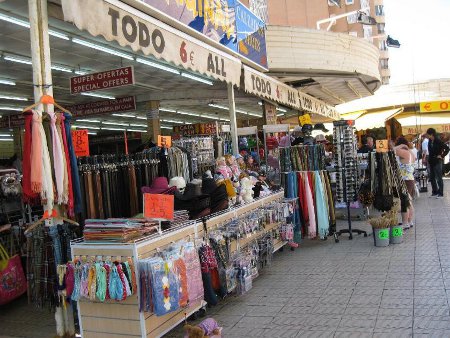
(384, 63)
(355, 34)
(367, 31)
(379, 10)
(349, 2)
(352, 18)
(383, 45)
(380, 27)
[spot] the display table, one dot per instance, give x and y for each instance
(114, 319)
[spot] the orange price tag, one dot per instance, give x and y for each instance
(164, 141)
(80, 140)
(382, 146)
(158, 206)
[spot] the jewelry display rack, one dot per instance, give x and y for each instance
(347, 171)
(119, 319)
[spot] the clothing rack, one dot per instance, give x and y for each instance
(201, 151)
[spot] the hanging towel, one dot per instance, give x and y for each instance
(321, 207)
(73, 166)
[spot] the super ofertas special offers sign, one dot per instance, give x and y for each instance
(116, 21)
(112, 78)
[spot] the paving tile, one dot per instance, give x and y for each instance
(397, 302)
(345, 334)
(316, 334)
(396, 312)
(361, 311)
(357, 323)
(397, 333)
(393, 322)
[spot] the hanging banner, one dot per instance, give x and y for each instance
(196, 129)
(80, 139)
(103, 107)
(413, 130)
(158, 206)
(315, 106)
(270, 113)
(227, 22)
(435, 106)
(116, 21)
(103, 80)
(267, 87)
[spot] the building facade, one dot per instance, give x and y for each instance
(306, 13)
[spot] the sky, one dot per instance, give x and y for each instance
(423, 29)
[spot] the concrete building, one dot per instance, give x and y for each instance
(340, 63)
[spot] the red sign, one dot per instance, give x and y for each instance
(108, 79)
(80, 140)
(158, 206)
(103, 107)
(196, 129)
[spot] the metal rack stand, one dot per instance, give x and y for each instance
(339, 141)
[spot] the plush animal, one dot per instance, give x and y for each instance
(246, 192)
(207, 328)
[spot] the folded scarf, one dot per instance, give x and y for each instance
(58, 162)
(36, 153)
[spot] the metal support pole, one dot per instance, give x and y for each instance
(40, 51)
(233, 125)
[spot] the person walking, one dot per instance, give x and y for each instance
(437, 150)
(406, 159)
(425, 156)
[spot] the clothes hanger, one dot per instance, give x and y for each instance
(46, 99)
(46, 216)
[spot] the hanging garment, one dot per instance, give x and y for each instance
(47, 194)
(58, 161)
(70, 201)
(193, 274)
(321, 207)
(312, 232)
(165, 288)
(29, 196)
(65, 167)
(36, 154)
(73, 165)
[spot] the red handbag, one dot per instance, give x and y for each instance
(13, 283)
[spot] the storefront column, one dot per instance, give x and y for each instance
(233, 125)
(40, 50)
(153, 122)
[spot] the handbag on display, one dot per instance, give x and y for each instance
(13, 283)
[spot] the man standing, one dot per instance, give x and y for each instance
(424, 148)
(367, 147)
(437, 150)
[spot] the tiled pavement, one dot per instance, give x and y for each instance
(351, 288)
(328, 289)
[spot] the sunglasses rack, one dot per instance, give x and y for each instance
(347, 171)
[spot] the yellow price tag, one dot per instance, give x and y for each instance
(304, 119)
(382, 146)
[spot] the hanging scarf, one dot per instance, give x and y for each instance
(311, 212)
(73, 166)
(47, 194)
(28, 195)
(36, 154)
(321, 207)
(68, 170)
(65, 197)
(58, 162)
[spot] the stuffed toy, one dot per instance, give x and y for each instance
(222, 168)
(246, 192)
(207, 328)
